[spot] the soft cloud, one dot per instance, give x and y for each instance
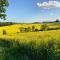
(49, 4)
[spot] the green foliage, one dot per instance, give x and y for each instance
(36, 30)
(33, 28)
(22, 29)
(28, 29)
(3, 5)
(44, 27)
(57, 28)
(57, 20)
(4, 32)
(13, 50)
(6, 23)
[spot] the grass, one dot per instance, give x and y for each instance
(15, 50)
(42, 45)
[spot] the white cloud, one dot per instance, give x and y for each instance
(49, 4)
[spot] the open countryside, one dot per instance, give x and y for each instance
(31, 30)
(37, 37)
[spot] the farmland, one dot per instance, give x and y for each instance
(15, 28)
(32, 45)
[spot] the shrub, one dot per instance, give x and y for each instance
(57, 20)
(28, 29)
(4, 32)
(36, 30)
(33, 28)
(44, 27)
(22, 29)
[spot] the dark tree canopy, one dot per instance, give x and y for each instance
(3, 6)
(57, 20)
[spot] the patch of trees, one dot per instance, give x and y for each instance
(57, 20)
(6, 23)
(43, 27)
(3, 7)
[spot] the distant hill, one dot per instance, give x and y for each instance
(53, 23)
(12, 23)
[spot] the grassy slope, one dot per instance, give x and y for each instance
(13, 32)
(12, 29)
(35, 49)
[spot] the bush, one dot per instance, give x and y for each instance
(28, 29)
(33, 28)
(44, 27)
(57, 20)
(36, 30)
(4, 32)
(22, 29)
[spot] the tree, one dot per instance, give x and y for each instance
(3, 5)
(44, 27)
(57, 20)
(33, 28)
(22, 29)
(4, 32)
(28, 29)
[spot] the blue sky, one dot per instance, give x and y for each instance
(28, 11)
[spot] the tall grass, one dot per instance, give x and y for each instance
(15, 50)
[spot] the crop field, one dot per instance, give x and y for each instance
(32, 45)
(13, 29)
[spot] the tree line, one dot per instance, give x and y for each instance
(6, 23)
(43, 27)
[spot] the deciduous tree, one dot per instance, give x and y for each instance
(3, 6)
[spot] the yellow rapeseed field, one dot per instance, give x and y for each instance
(13, 33)
(12, 29)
